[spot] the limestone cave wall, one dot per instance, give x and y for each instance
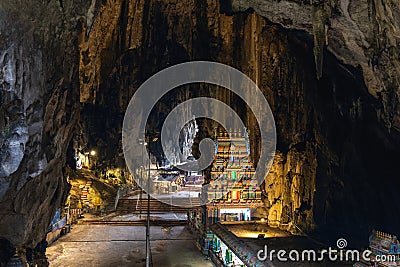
(39, 108)
(329, 70)
(360, 33)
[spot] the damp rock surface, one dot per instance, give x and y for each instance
(329, 70)
(364, 34)
(39, 108)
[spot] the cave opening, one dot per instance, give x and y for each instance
(66, 84)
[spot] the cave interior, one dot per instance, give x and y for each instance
(68, 70)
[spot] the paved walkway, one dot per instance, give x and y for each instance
(104, 245)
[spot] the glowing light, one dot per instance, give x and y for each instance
(253, 234)
(93, 153)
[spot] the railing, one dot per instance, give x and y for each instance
(215, 259)
(120, 193)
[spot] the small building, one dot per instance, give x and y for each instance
(385, 250)
(166, 183)
(194, 178)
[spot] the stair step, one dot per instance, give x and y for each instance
(85, 192)
(135, 205)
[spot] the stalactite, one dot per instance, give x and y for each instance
(386, 59)
(320, 22)
(240, 5)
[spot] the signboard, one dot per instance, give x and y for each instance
(58, 225)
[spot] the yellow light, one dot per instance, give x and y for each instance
(92, 152)
(262, 220)
(252, 234)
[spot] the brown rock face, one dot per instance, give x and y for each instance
(338, 139)
(39, 108)
(364, 34)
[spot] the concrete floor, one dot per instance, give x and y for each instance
(106, 245)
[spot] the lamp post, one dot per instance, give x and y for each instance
(87, 160)
(142, 142)
(148, 218)
(88, 154)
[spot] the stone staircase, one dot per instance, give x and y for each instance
(85, 191)
(134, 205)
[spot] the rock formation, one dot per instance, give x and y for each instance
(39, 108)
(329, 70)
(364, 34)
